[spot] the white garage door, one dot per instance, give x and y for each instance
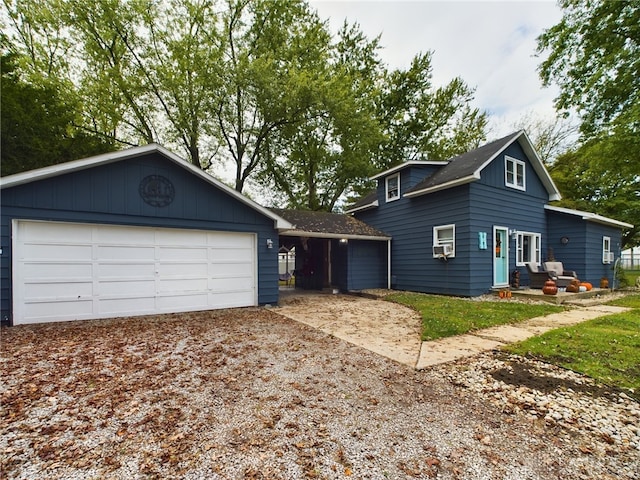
(68, 271)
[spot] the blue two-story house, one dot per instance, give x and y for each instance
(467, 225)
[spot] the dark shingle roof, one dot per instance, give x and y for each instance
(330, 225)
(369, 199)
(467, 165)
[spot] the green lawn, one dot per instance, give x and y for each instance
(606, 349)
(631, 276)
(447, 316)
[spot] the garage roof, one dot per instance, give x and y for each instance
(328, 225)
(112, 157)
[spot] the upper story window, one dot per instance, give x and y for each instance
(527, 248)
(393, 187)
(444, 241)
(514, 173)
(607, 254)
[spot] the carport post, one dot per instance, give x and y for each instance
(389, 264)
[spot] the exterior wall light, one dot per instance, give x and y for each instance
(269, 243)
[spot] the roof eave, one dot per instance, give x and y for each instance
(444, 186)
(363, 207)
(539, 167)
(112, 157)
(348, 236)
(590, 217)
(399, 167)
(75, 165)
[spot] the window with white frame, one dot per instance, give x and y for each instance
(444, 236)
(393, 187)
(514, 173)
(607, 254)
(527, 248)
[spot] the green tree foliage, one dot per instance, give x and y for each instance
(272, 52)
(594, 56)
(603, 175)
(259, 85)
(38, 124)
(422, 122)
(551, 136)
(315, 161)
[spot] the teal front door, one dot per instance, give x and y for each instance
(500, 257)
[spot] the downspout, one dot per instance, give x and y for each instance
(389, 264)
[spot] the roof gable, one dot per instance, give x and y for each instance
(112, 157)
(468, 167)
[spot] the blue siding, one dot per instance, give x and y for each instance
(493, 175)
(473, 208)
(410, 222)
(109, 194)
(572, 254)
(367, 264)
(503, 207)
(414, 174)
(583, 253)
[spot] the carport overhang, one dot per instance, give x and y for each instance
(342, 237)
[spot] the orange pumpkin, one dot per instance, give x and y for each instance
(574, 286)
(587, 285)
(550, 288)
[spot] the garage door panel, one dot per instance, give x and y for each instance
(230, 254)
(83, 271)
(183, 302)
(183, 285)
(126, 288)
(126, 270)
(57, 290)
(57, 311)
(230, 284)
(181, 237)
(57, 270)
(42, 232)
(228, 240)
(118, 235)
(34, 251)
(108, 307)
(125, 252)
(231, 270)
(229, 299)
(185, 270)
(183, 253)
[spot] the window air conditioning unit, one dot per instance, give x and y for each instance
(442, 250)
(609, 257)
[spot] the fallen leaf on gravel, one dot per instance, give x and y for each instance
(585, 449)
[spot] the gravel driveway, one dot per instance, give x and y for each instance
(249, 394)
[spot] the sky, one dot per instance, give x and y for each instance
(491, 45)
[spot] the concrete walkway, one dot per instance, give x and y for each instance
(393, 330)
(452, 348)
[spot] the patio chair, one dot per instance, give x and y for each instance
(562, 277)
(536, 276)
(286, 277)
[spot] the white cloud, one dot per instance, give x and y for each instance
(490, 45)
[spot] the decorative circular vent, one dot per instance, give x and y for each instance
(157, 190)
